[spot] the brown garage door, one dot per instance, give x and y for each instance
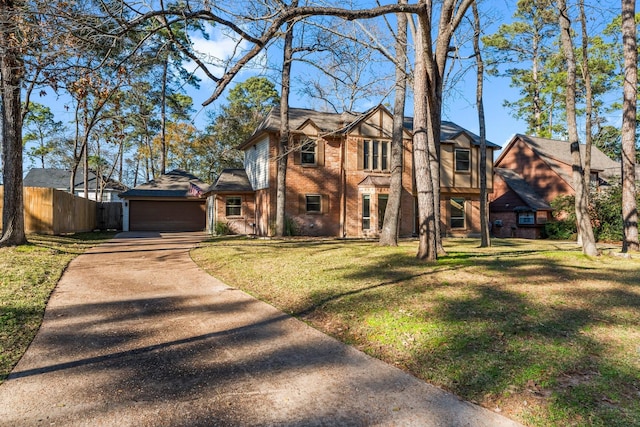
(148, 215)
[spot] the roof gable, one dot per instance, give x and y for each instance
(553, 151)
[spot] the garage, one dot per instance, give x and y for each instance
(173, 202)
(151, 215)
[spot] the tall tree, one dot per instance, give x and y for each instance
(11, 74)
(527, 41)
(629, 124)
(389, 233)
(485, 239)
(435, 50)
(585, 230)
(285, 132)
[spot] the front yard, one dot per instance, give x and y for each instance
(531, 329)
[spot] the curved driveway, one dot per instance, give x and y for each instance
(135, 334)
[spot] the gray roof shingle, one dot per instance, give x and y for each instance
(340, 123)
(522, 189)
(554, 151)
(174, 184)
(232, 181)
(60, 179)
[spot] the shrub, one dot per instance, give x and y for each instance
(605, 211)
(222, 229)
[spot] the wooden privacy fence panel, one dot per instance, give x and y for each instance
(51, 211)
(72, 214)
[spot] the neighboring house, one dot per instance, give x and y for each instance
(529, 174)
(338, 177)
(172, 202)
(60, 179)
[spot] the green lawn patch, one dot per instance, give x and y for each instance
(28, 274)
(533, 329)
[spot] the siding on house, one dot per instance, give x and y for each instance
(256, 163)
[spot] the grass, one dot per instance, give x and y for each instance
(532, 329)
(28, 275)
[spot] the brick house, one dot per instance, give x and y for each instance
(529, 174)
(338, 176)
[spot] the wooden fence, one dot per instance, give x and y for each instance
(51, 211)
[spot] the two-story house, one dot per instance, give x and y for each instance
(338, 177)
(529, 174)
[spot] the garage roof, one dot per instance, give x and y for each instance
(176, 184)
(232, 181)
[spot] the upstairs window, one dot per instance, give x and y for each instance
(373, 155)
(308, 153)
(233, 206)
(463, 160)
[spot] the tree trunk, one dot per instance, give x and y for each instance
(629, 206)
(163, 119)
(586, 75)
(585, 230)
(389, 233)
(283, 147)
(427, 246)
(11, 73)
(485, 239)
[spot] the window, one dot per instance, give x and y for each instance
(526, 218)
(457, 213)
(382, 207)
(463, 160)
(366, 211)
(308, 153)
(385, 157)
(234, 206)
(375, 155)
(313, 203)
(365, 154)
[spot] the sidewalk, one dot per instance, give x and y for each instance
(135, 334)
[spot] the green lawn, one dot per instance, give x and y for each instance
(534, 330)
(28, 274)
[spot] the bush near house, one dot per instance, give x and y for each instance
(605, 209)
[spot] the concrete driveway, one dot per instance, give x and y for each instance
(135, 334)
